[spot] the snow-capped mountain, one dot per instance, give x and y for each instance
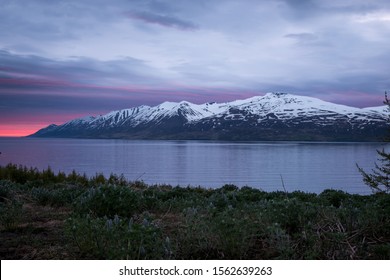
(274, 116)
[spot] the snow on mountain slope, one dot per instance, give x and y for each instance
(380, 109)
(282, 105)
(145, 114)
(288, 105)
(80, 121)
(255, 116)
(285, 106)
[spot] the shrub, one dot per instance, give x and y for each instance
(56, 195)
(109, 200)
(10, 214)
(116, 238)
(334, 197)
(5, 190)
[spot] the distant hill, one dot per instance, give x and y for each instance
(274, 117)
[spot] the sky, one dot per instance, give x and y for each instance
(60, 60)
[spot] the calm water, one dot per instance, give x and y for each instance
(310, 167)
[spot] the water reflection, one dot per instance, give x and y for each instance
(303, 166)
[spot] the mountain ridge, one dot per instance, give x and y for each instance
(273, 116)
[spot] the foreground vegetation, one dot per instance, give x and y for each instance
(44, 215)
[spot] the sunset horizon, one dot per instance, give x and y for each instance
(60, 61)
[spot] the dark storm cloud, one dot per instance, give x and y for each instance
(163, 20)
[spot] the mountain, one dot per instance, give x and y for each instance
(274, 116)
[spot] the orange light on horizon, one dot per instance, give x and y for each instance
(19, 130)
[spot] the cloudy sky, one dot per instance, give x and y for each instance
(65, 59)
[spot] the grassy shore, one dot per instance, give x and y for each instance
(44, 215)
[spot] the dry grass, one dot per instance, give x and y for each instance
(37, 235)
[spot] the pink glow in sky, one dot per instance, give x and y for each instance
(60, 60)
